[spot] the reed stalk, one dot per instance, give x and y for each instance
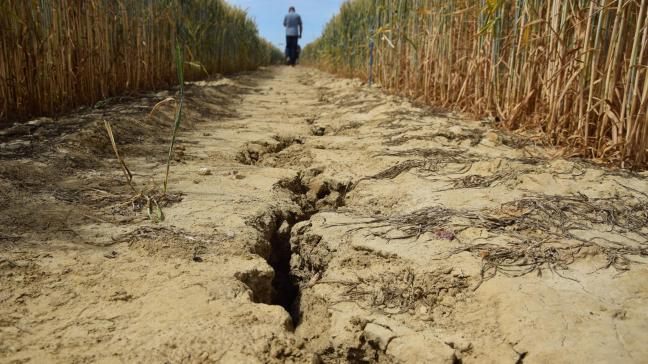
(57, 55)
(575, 70)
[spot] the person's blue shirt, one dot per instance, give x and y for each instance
(292, 22)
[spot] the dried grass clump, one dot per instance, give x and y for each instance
(575, 70)
(403, 291)
(474, 136)
(534, 234)
(436, 159)
(563, 217)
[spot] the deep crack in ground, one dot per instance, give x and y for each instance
(277, 253)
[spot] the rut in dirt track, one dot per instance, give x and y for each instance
(382, 180)
(313, 219)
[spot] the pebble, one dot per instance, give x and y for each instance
(492, 138)
(205, 172)
(284, 229)
(318, 130)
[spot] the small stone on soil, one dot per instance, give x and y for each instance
(205, 172)
(318, 130)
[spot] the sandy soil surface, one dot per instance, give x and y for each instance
(312, 219)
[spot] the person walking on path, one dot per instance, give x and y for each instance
(294, 28)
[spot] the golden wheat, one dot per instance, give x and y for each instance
(56, 55)
(575, 69)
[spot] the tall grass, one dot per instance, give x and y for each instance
(59, 54)
(575, 69)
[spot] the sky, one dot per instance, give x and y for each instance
(269, 15)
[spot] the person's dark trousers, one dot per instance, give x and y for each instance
(291, 48)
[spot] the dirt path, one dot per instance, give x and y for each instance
(312, 219)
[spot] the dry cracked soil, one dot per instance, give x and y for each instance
(312, 219)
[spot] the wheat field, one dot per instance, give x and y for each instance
(574, 70)
(56, 55)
